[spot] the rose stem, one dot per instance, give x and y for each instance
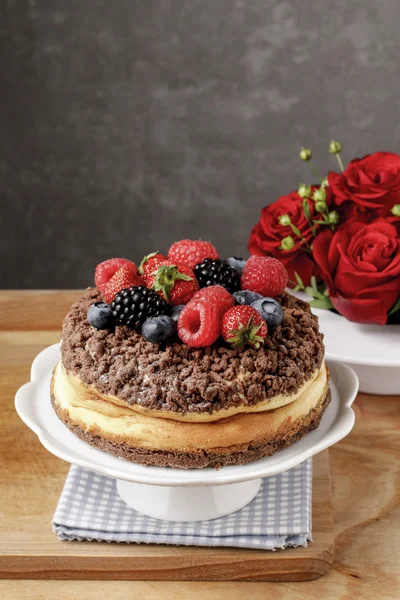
(340, 161)
(314, 170)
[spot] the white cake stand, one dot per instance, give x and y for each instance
(179, 494)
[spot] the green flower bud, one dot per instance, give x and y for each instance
(335, 147)
(305, 154)
(287, 243)
(325, 182)
(321, 206)
(396, 210)
(304, 190)
(284, 220)
(319, 195)
(333, 217)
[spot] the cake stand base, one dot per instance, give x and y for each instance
(179, 503)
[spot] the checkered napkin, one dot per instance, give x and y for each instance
(90, 509)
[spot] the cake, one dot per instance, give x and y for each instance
(234, 396)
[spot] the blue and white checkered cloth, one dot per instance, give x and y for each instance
(90, 509)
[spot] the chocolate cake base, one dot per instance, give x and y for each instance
(215, 458)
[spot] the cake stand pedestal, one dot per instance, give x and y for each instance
(187, 503)
(180, 494)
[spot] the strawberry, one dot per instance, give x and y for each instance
(150, 276)
(191, 252)
(264, 275)
(199, 324)
(176, 284)
(105, 270)
(243, 325)
(217, 295)
(151, 262)
(123, 278)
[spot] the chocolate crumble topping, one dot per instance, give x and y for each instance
(174, 377)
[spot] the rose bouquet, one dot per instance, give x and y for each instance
(340, 239)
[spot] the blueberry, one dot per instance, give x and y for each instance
(176, 311)
(236, 263)
(100, 316)
(270, 310)
(158, 329)
(246, 297)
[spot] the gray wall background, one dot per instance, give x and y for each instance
(126, 125)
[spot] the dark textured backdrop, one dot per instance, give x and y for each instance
(125, 125)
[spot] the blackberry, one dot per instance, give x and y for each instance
(134, 305)
(217, 272)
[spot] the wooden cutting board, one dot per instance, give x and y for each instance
(29, 549)
(31, 480)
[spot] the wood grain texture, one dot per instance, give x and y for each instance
(29, 549)
(34, 310)
(366, 495)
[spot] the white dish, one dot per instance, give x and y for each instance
(34, 407)
(372, 351)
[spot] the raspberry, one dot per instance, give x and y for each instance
(243, 325)
(105, 270)
(123, 278)
(264, 275)
(218, 296)
(151, 262)
(191, 252)
(199, 324)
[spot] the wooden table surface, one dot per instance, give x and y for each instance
(364, 467)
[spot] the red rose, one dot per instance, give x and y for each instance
(360, 265)
(266, 237)
(372, 182)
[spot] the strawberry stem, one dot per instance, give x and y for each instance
(166, 276)
(246, 334)
(144, 261)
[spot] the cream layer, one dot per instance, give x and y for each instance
(196, 417)
(74, 402)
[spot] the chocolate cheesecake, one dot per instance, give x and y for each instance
(170, 404)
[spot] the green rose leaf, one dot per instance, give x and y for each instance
(324, 303)
(306, 209)
(300, 284)
(395, 308)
